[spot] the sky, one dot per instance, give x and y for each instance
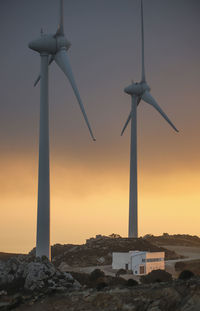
(90, 180)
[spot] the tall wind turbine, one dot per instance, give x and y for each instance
(51, 48)
(138, 91)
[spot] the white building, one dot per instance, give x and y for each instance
(139, 262)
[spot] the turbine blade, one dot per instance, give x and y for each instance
(127, 122)
(51, 59)
(142, 39)
(150, 100)
(60, 30)
(62, 61)
(37, 80)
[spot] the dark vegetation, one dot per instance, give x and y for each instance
(131, 283)
(97, 279)
(96, 274)
(192, 265)
(121, 272)
(186, 275)
(156, 276)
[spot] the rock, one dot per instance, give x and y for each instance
(11, 303)
(63, 266)
(154, 309)
(129, 307)
(101, 260)
(192, 304)
(3, 293)
(9, 272)
(68, 276)
(36, 273)
(34, 276)
(4, 305)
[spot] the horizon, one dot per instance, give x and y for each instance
(123, 237)
(90, 181)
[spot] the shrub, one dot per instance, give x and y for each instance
(82, 278)
(166, 234)
(191, 265)
(148, 236)
(156, 276)
(186, 275)
(101, 283)
(131, 282)
(116, 281)
(96, 274)
(44, 259)
(120, 272)
(17, 285)
(179, 265)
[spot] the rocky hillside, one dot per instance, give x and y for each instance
(28, 283)
(98, 251)
(175, 239)
(38, 285)
(175, 296)
(192, 265)
(6, 256)
(19, 275)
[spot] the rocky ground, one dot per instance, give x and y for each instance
(22, 279)
(174, 239)
(29, 283)
(6, 256)
(98, 251)
(174, 296)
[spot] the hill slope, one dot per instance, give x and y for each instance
(175, 239)
(98, 251)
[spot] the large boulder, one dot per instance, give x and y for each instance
(37, 275)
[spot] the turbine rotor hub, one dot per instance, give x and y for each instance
(62, 42)
(50, 44)
(137, 89)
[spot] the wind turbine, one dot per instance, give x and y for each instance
(51, 48)
(138, 91)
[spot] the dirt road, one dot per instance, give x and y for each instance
(190, 253)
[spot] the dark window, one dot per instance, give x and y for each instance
(141, 269)
(154, 259)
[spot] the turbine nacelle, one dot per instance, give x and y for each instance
(137, 89)
(50, 44)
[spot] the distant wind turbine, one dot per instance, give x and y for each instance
(51, 48)
(138, 91)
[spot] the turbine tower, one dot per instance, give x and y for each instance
(51, 48)
(138, 91)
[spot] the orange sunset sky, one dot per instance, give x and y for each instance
(90, 181)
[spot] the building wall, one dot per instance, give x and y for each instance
(155, 261)
(120, 260)
(139, 262)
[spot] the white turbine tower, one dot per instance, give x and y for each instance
(51, 48)
(138, 91)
